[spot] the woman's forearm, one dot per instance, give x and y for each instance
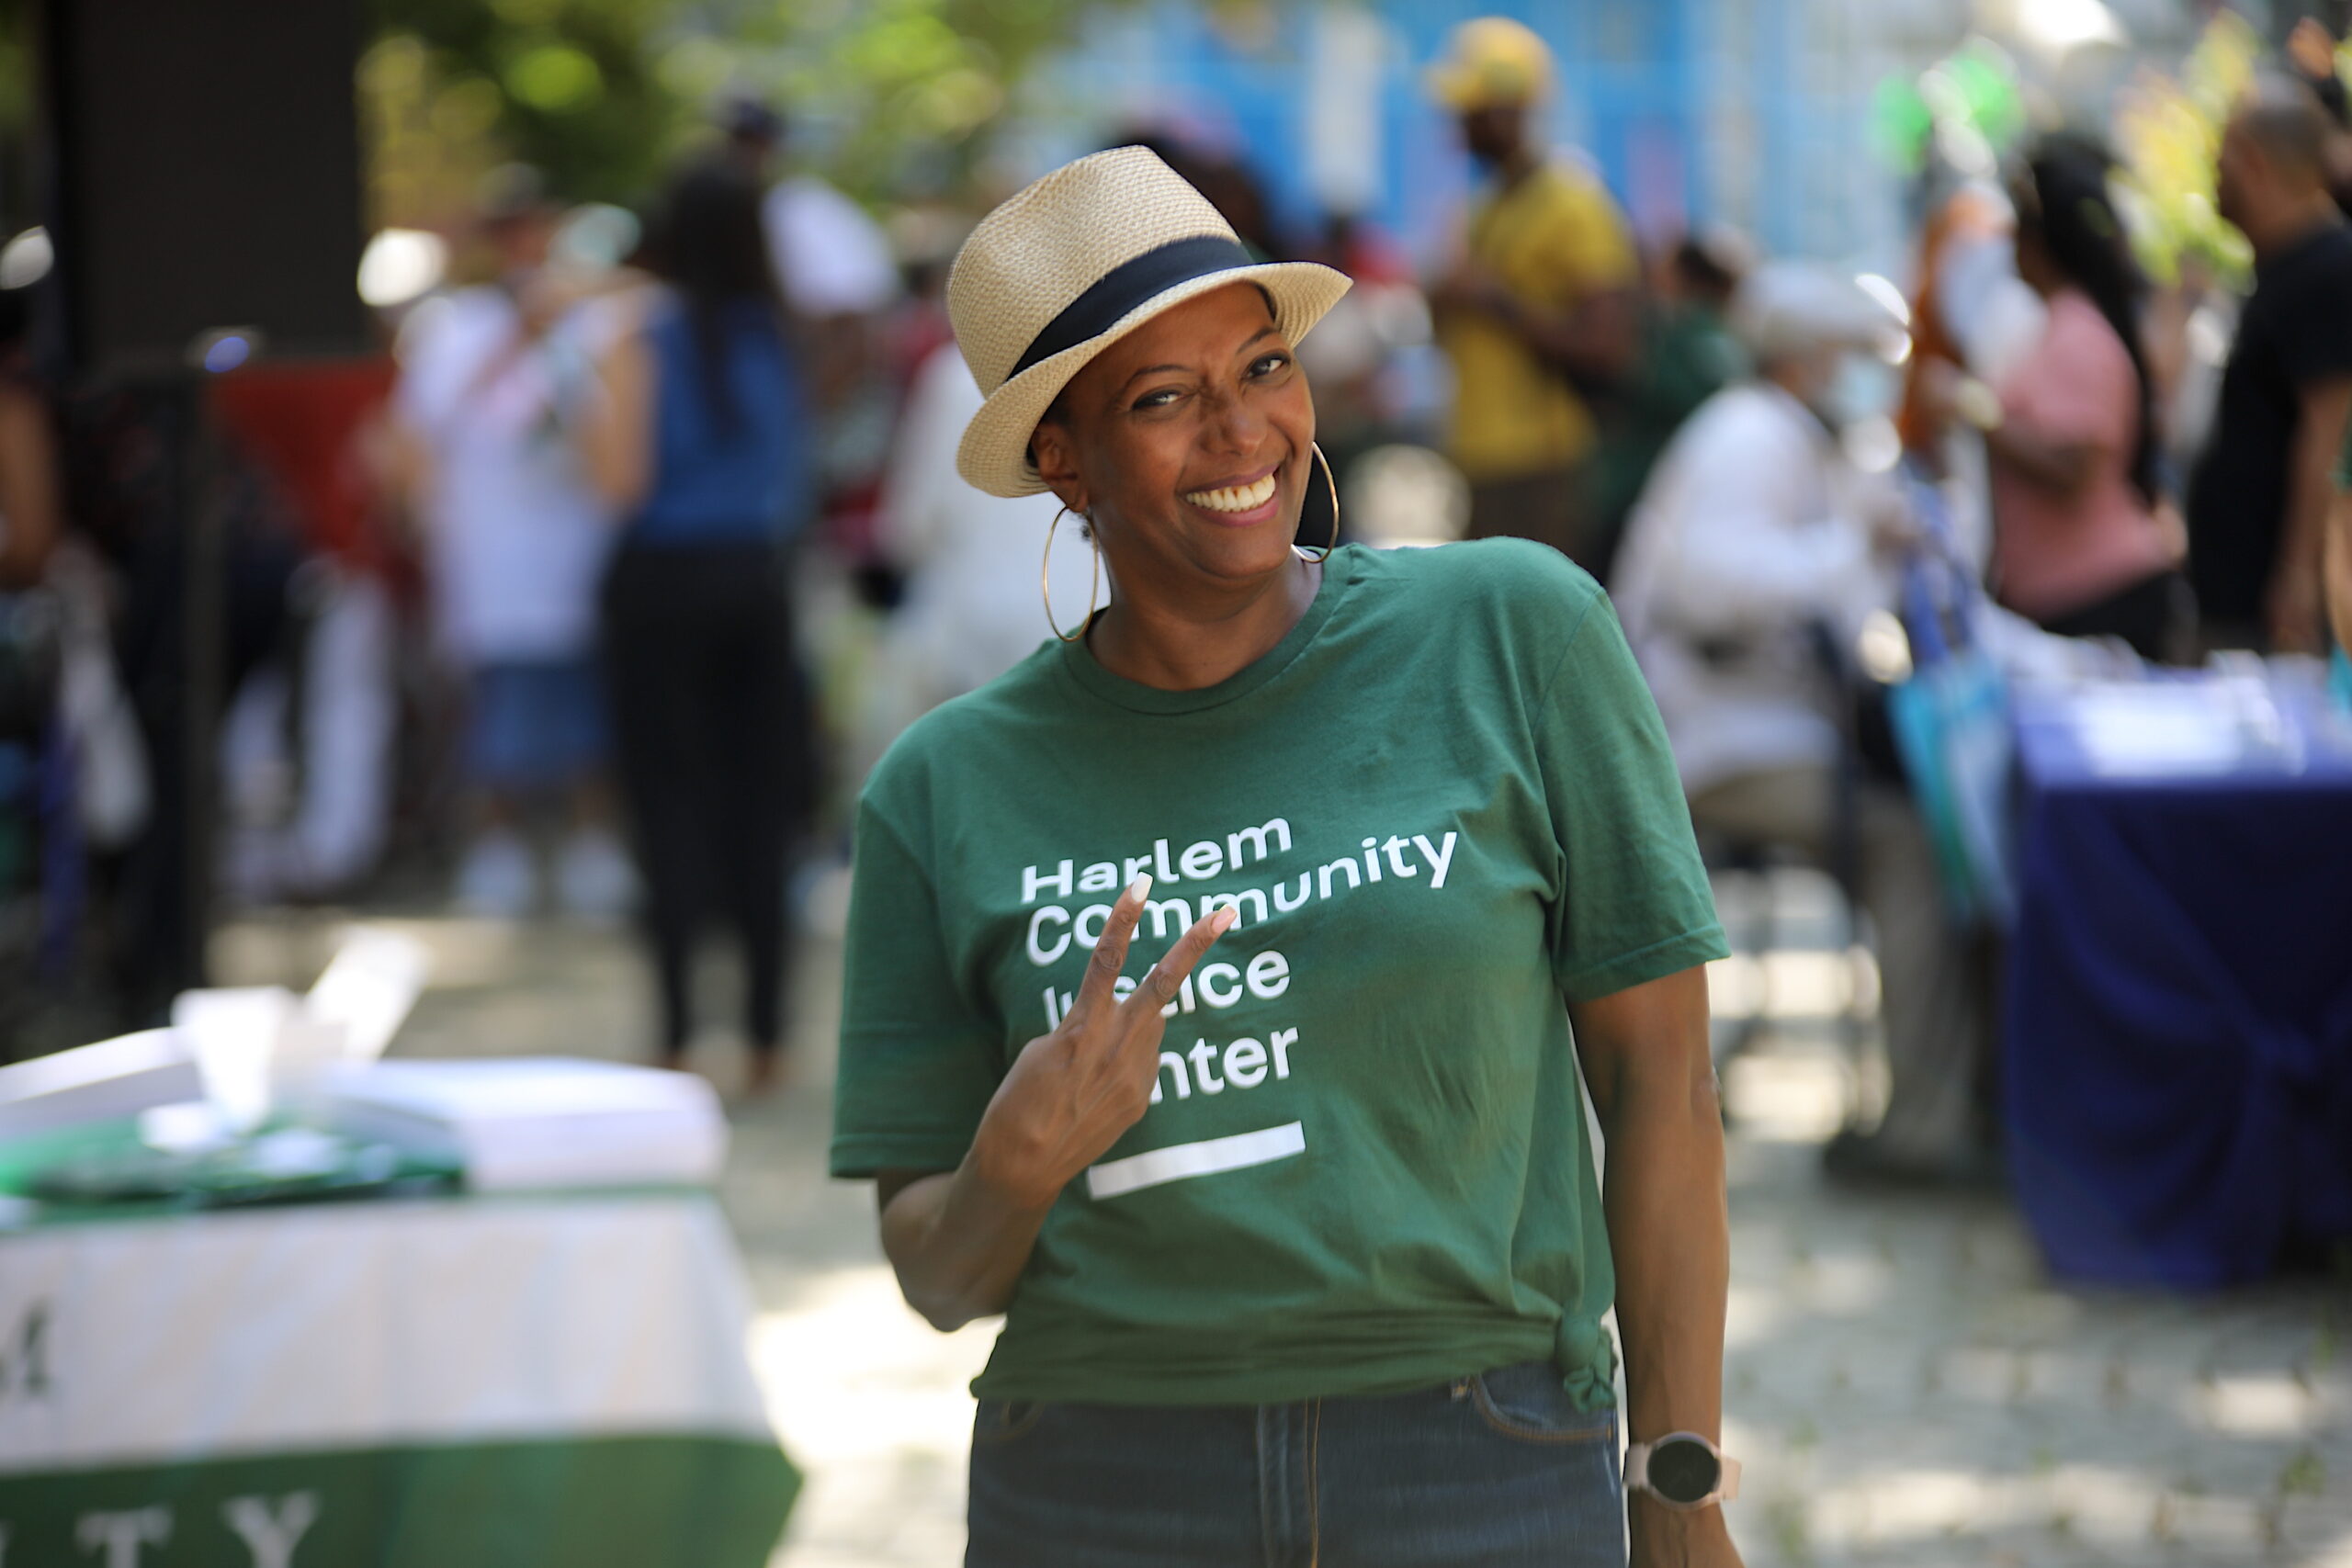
(957, 1243)
(1643, 1052)
(2061, 467)
(959, 1239)
(27, 486)
(1670, 1236)
(613, 430)
(1646, 1062)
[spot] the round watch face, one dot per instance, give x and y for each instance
(1682, 1469)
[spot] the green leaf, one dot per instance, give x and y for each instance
(555, 78)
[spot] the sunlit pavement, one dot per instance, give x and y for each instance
(1904, 1385)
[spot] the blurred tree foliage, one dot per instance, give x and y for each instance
(451, 87)
(887, 95)
(2168, 134)
(894, 94)
(18, 165)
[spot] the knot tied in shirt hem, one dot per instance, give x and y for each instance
(1586, 1358)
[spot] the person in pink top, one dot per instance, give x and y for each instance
(2085, 542)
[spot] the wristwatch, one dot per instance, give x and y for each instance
(1683, 1470)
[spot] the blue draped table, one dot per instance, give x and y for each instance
(2178, 1050)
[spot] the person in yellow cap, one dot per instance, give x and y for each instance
(1536, 311)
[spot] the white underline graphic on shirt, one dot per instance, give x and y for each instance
(1114, 1177)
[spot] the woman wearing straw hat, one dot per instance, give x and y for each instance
(1295, 1229)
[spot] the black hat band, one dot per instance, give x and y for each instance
(1127, 285)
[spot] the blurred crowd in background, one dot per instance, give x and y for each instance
(597, 593)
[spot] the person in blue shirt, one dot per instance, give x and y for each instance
(700, 439)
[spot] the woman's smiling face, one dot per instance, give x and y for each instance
(1188, 443)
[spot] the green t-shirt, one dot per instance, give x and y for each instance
(1441, 802)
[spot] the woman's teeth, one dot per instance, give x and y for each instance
(1235, 498)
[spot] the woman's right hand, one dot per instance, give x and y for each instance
(1071, 1093)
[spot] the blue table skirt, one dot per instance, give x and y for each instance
(2178, 1053)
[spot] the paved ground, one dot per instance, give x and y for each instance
(1905, 1385)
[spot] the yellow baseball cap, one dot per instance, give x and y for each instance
(1493, 62)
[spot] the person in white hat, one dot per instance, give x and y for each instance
(1755, 535)
(1295, 1230)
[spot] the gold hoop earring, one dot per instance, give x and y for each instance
(1045, 579)
(1301, 551)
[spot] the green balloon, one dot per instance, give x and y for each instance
(1901, 124)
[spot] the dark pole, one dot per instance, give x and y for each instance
(202, 170)
(204, 653)
(203, 625)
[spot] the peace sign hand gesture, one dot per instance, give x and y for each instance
(1071, 1093)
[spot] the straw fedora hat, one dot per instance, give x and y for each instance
(1063, 270)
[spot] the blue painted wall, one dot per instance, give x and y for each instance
(1692, 110)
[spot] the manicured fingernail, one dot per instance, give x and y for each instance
(1140, 889)
(1223, 922)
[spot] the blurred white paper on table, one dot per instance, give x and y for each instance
(97, 1083)
(537, 1121)
(2156, 728)
(230, 1058)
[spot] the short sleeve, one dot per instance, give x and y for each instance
(834, 259)
(418, 394)
(1635, 905)
(2078, 384)
(2315, 331)
(918, 1063)
(1588, 242)
(444, 349)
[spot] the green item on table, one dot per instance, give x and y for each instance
(106, 1168)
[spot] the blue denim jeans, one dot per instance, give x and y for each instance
(1497, 1470)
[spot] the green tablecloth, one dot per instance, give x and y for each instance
(529, 1382)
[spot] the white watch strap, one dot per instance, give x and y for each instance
(1637, 1472)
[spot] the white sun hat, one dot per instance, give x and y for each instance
(1061, 271)
(1797, 307)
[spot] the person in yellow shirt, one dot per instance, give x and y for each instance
(1537, 314)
